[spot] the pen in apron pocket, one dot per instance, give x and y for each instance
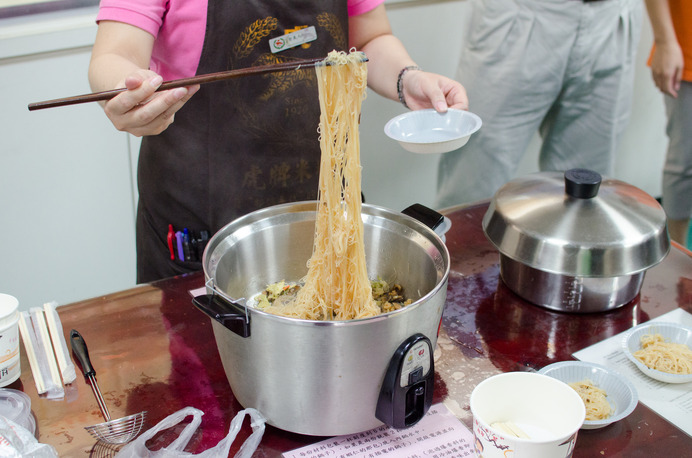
(179, 242)
(171, 238)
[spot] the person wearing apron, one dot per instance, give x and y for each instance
(237, 145)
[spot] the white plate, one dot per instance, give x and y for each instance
(427, 131)
(620, 392)
(671, 332)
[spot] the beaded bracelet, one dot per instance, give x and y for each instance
(400, 82)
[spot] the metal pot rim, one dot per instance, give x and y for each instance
(309, 207)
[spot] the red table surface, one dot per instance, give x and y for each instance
(153, 350)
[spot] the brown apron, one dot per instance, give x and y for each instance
(237, 145)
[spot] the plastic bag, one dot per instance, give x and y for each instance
(18, 442)
(138, 448)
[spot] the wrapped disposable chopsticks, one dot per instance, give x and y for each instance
(40, 353)
(29, 339)
(65, 364)
(39, 358)
(44, 349)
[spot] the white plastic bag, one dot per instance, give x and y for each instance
(18, 442)
(138, 448)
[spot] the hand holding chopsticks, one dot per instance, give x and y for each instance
(183, 82)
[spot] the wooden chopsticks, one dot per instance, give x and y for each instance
(200, 79)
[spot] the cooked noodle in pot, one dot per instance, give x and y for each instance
(336, 286)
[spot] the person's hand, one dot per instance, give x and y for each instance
(430, 90)
(141, 110)
(666, 68)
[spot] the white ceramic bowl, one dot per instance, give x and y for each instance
(546, 409)
(671, 332)
(620, 392)
(427, 131)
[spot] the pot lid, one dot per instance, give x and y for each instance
(577, 224)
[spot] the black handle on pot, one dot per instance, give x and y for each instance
(231, 315)
(425, 215)
(582, 183)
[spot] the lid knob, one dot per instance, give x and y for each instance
(582, 183)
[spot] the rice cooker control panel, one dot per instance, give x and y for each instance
(407, 390)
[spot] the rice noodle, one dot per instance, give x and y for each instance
(336, 286)
(656, 353)
(597, 406)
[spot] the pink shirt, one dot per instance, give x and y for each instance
(182, 31)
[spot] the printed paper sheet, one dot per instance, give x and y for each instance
(437, 435)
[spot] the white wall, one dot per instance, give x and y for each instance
(66, 180)
(66, 214)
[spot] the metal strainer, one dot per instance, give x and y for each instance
(118, 431)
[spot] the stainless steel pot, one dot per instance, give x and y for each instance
(575, 242)
(326, 377)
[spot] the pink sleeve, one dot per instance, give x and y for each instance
(356, 7)
(179, 38)
(147, 15)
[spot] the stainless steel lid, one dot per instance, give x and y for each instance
(577, 224)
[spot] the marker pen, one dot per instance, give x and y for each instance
(186, 245)
(179, 239)
(171, 242)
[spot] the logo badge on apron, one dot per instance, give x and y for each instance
(300, 36)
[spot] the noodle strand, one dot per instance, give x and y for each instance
(337, 286)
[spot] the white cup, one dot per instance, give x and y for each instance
(545, 413)
(10, 369)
